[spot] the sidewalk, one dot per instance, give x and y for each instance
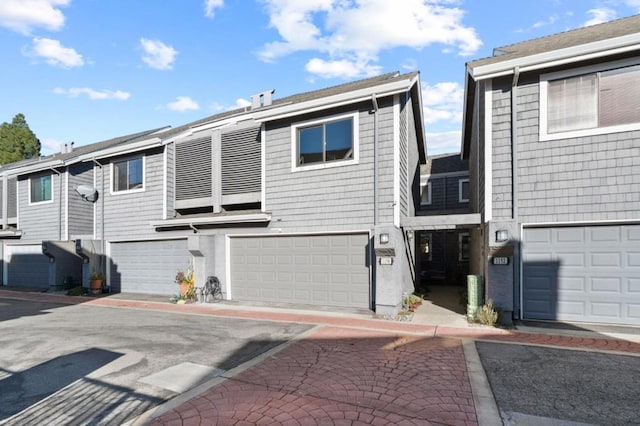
(350, 368)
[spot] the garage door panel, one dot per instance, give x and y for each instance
(598, 289)
(27, 266)
(328, 270)
(148, 266)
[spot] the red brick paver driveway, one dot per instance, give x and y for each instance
(343, 376)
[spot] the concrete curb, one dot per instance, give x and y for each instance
(486, 407)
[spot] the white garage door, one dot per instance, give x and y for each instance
(321, 270)
(587, 273)
(26, 266)
(148, 266)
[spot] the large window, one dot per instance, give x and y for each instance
(325, 143)
(128, 174)
(590, 103)
(40, 188)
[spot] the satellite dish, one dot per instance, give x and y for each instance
(88, 193)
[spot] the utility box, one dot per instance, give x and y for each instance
(475, 295)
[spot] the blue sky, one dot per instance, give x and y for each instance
(90, 70)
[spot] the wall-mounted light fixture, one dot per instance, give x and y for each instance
(384, 238)
(502, 235)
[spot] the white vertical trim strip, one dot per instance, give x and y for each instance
(95, 205)
(520, 278)
(396, 160)
(488, 151)
(263, 165)
(227, 261)
(165, 190)
(18, 204)
(107, 262)
(66, 205)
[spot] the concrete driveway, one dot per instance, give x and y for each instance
(549, 386)
(79, 364)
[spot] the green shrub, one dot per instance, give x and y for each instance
(76, 291)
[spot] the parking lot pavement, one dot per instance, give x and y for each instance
(536, 385)
(79, 364)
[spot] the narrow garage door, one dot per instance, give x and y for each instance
(321, 270)
(582, 274)
(26, 266)
(148, 266)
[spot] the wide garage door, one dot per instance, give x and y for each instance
(589, 273)
(148, 266)
(26, 266)
(321, 270)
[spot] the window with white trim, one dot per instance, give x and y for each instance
(464, 246)
(425, 193)
(325, 143)
(128, 174)
(463, 190)
(595, 101)
(40, 189)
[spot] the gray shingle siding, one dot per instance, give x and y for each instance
(128, 215)
(501, 148)
(80, 211)
(41, 221)
(334, 198)
(170, 154)
(445, 196)
(405, 107)
(12, 197)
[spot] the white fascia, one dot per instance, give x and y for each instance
(363, 95)
(213, 220)
(31, 168)
(553, 58)
(213, 125)
(126, 148)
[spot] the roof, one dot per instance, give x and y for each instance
(444, 163)
(595, 38)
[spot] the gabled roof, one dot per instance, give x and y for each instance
(444, 163)
(622, 35)
(61, 159)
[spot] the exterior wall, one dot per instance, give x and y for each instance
(170, 152)
(42, 221)
(80, 211)
(445, 196)
(501, 149)
(127, 215)
(413, 164)
(334, 198)
(403, 164)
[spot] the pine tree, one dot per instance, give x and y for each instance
(17, 141)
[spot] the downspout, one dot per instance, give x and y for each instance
(374, 101)
(514, 190)
(102, 243)
(59, 202)
(514, 144)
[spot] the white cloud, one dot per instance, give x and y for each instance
(24, 15)
(355, 32)
(443, 102)
(157, 54)
(341, 68)
(55, 54)
(183, 103)
(210, 6)
(242, 103)
(50, 146)
(600, 15)
(95, 95)
(634, 4)
(440, 143)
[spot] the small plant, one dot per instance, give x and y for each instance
(487, 314)
(186, 280)
(76, 291)
(96, 276)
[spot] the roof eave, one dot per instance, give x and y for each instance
(597, 49)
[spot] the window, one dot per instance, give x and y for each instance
(320, 144)
(40, 189)
(593, 102)
(425, 194)
(464, 246)
(426, 246)
(128, 174)
(463, 190)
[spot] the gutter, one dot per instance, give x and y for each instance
(118, 150)
(557, 57)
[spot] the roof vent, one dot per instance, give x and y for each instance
(262, 99)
